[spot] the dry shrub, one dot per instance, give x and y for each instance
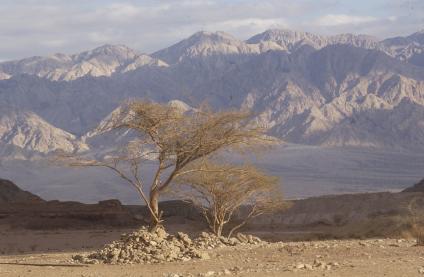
(222, 191)
(417, 226)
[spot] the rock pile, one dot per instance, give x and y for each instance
(143, 246)
(210, 241)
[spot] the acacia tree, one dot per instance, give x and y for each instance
(175, 138)
(223, 190)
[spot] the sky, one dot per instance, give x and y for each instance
(43, 27)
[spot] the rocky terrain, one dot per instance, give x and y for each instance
(11, 193)
(143, 246)
(374, 257)
(357, 103)
(30, 133)
(345, 93)
(305, 88)
(24, 210)
(102, 61)
(337, 216)
(313, 238)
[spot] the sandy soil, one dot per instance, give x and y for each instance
(42, 253)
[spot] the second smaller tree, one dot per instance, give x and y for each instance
(222, 191)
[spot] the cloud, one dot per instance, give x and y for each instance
(53, 43)
(121, 11)
(254, 23)
(343, 19)
(248, 26)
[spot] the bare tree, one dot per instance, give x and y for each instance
(174, 138)
(223, 190)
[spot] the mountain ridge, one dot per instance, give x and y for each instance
(305, 88)
(109, 59)
(101, 61)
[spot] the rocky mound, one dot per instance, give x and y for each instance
(22, 209)
(156, 247)
(419, 187)
(11, 193)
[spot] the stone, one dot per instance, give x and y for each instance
(308, 267)
(78, 258)
(242, 238)
(144, 246)
(204, 235)
(161, 233)
(184, 238)
(226, 272)
(233, 241)
(334, 264)
(300, 266)
(201, 255)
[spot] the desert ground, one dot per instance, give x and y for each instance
(343, 235)
(49, 253)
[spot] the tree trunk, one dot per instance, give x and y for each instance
(154, 204)
(219, 229)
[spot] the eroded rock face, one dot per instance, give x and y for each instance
(156, 247)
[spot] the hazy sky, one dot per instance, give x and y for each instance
(41, 27)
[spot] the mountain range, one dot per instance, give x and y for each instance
(343, 90)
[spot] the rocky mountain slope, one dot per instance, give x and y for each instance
(102, 61)
(408, 48)
(29, 132)
(109, 59)
(11, 193)
(418, 187)
(305, 88)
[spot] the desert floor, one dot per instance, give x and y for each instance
(48, 253)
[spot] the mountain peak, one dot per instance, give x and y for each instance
(290, 40)
(120, 52)
(112, 47)
(28, 131)
(287, 40)
(279, 34)
(418, 37)
(205, 37)
(203, 44)
(212, 35)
